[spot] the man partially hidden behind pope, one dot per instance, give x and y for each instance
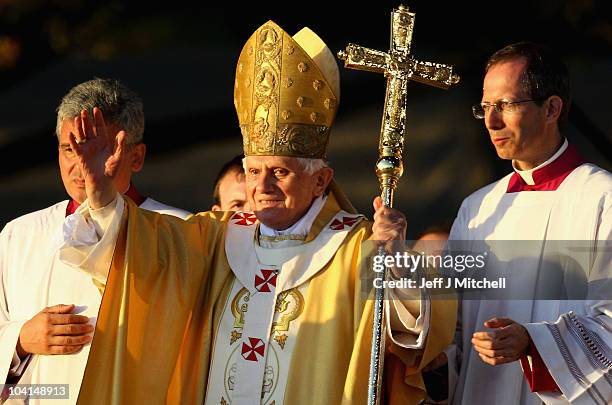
(249, 308)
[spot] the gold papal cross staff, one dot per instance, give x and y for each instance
(399, 67)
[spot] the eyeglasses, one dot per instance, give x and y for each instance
(480, 110)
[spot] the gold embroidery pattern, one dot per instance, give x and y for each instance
(266, 92)
(223, 401)
(238, 308)
(281, 339)
(281, 237)
(273, 72)
(235, 336)
(289, 306)
(302, 140)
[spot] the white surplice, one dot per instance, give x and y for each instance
(573, 336)
(31, 278)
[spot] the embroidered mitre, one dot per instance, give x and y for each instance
(286, 93)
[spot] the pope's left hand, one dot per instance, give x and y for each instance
(389, 223)
(507, 343)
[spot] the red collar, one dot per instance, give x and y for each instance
(72, 206)
(131, 192)
(549, 177)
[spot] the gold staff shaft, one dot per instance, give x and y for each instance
(398, 67)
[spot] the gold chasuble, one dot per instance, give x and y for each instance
(168, 289)
(205, 312)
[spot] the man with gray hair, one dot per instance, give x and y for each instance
(47, 309)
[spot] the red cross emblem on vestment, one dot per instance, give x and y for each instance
(244, 218)
(266, 279)
(252, 349)
(346, 222)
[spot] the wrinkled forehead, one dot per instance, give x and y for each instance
(286, 162)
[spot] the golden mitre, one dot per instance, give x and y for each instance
(286, 93)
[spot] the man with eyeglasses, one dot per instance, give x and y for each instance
(537, 344)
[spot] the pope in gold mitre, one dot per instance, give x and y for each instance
(262, 307)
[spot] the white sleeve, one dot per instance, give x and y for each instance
(10, 364)
(576, 351)
(454, 351)
(577, 348)
(89, 238)
(407, 313)
(18, 365)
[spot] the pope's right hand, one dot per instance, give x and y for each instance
(99, 156)
(54, 330)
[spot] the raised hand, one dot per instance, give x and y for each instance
(99, 156)
(54, 330)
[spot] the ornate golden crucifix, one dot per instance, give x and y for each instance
(399, 67)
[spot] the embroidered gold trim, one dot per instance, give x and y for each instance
(281, 339)
(235, 335)
(283, 302)
(280, 238)
(291, 302)
(275, 75)
(238, 310)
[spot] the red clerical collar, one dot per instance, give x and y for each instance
(549, 177)
(131, 192)
(72, 206)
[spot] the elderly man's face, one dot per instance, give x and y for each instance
(71, 172)
(518, 135)
(279, 191)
